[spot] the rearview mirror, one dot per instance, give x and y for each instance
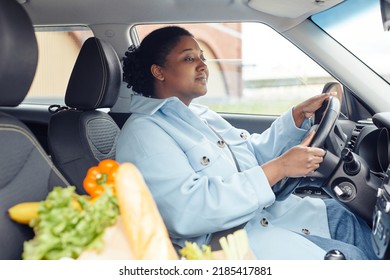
(385, 10)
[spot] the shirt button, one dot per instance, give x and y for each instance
(221, 143)
(205, 160)
(243, 135)
(264, 222)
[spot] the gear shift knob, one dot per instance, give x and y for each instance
(334, 255)
(351, 164)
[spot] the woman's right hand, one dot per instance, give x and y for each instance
(301, 160)
(298, 161)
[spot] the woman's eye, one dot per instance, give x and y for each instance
(189, 59)
(192, 59)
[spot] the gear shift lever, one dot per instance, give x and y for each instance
(351, 164)
(334, 255)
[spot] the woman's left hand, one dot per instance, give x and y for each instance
(307, 108)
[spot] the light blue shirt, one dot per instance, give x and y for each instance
(194, 180)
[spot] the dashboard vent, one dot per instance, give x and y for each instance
(354, 136)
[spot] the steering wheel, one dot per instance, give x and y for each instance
(326, 117)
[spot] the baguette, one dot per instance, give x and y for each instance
(144, 227)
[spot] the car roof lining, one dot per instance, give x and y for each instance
(276, 13)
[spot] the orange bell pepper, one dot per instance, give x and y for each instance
(101, 176)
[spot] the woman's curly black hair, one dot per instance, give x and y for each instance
(153, 49)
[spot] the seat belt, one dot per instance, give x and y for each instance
(216, 236)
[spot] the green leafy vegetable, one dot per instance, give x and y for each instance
(191, 251)
(65, 230)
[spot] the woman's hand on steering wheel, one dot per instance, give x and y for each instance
(307, 108)
(302, 160)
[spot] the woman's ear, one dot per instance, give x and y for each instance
(157, 72)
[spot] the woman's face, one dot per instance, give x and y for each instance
(185, 73)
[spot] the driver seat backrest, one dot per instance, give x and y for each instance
(26, 172)
(80, 135)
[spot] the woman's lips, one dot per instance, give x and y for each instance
(201, 79)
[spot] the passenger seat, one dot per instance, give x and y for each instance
(80, 135)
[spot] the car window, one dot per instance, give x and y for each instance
(253, 69)
(58, 50)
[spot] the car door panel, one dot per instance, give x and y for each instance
(251, 123)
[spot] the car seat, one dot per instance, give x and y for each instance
(80, 135)
(26, 172)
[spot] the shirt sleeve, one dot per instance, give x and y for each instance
(278, 138)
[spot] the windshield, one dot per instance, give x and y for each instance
(357, 25)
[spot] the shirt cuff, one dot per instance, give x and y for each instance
(261, 187)
(290, 129)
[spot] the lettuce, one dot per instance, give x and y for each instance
(68, 223)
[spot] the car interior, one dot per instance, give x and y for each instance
(61, 140)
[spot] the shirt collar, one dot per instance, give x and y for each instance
(148, 106)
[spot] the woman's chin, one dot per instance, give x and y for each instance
(203, 93)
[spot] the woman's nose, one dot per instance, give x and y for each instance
(202, 66)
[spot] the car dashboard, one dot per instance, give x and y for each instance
(356, 172)
(371, 143)
(374, 145)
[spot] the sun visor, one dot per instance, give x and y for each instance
(292, 9)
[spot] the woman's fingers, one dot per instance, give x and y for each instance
(302, 160)
(306, 142)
